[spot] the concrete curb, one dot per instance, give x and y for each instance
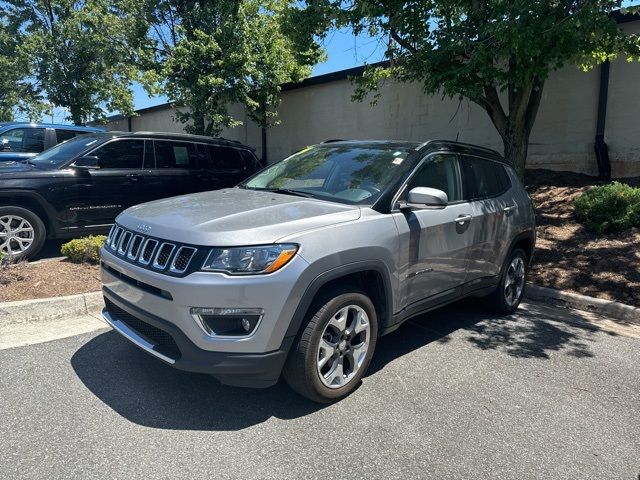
(42, 309)
(613, 310)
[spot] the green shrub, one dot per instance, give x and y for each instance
(85, 249)
(609, 208)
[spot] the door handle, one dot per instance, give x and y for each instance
(509, 209)
(134, 177)
(462, 219)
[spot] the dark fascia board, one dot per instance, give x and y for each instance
(617, 15)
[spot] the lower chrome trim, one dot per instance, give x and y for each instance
(134, 338)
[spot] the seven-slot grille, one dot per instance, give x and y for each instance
(149, 252)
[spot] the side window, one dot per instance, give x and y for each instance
(224, 158)
(441, 172)
(15, 138)
(171, 154)
(121, 154)
(33, 141)
(484, 178)
(250, 160)
(64, 135)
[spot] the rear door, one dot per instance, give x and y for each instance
(171, 168)
(435, 242)
(24, 142)
(487, 188)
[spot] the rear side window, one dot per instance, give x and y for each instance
(484, 178)
(175, 154)
(28, 140)
(64, 135)
(223, 158)
(121, 154)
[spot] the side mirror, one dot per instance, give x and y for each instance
(427, 196)
(88, 162)
(4, 145)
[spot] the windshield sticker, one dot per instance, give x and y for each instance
(397, 161)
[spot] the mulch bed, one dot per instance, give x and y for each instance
(50, 278)
(568, 257)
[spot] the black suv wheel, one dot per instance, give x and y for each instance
(22, 233)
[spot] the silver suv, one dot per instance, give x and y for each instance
(301, 268)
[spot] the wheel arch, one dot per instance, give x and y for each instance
(30, 202)
(370, 276)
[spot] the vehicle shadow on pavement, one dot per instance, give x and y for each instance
(150, 393)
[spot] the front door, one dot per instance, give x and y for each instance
(117, 183)
(435, 241)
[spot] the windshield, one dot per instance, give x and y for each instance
(341, 173)
(63, 152)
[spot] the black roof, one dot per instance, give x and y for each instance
(177, 136)
(423, 147)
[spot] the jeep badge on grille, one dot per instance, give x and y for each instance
(143, 228)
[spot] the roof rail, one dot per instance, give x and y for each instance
(332, 140)
(459, 144)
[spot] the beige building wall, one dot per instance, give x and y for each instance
(562, 138)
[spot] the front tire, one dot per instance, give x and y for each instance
(22, 233)
(510, 291)
(333, 352)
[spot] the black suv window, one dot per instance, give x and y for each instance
(441, 172)
(223, 158)
(64, 135)
(29, 140)
(484, 178)
(175, 154)
(121, 154)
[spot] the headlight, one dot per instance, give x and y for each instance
(249, 260)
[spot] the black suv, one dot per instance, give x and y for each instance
(22, 141)
(79, 186)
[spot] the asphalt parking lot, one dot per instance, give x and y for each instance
(454, 394)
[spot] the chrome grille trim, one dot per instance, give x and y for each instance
(150, 241)
(173, 268)
(125, 240)
(156, 263)
(116, 238)
(159, 255)
(131, 254)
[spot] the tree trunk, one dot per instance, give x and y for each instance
(516, 145)
(198, 122)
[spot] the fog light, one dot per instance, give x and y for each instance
(227, 322)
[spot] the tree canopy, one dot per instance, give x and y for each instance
(208, 55)
(498, 54)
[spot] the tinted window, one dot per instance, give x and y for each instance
(250, 159)
(441, 172)
(33, 141)
(484, 178)
(224, 158)
(121, 154)
(64, 152)
(14, 137)
(175, 154)
(64, 135)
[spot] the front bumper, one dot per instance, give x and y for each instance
(167, 342)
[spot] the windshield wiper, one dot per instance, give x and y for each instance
(285, 191)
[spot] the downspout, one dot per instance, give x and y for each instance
(129, 124)
(264, 146)
(600, 147)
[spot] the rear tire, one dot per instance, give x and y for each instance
(330, 357)
(22, 233)
(507, 296)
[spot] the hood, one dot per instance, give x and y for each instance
(12, 167)
(234, 216)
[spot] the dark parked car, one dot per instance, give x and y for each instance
(78, 187)
(22, 141)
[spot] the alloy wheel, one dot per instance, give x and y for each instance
(514, 281)
(16, 234)
(343, 347)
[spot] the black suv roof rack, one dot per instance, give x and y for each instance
(460, 145)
